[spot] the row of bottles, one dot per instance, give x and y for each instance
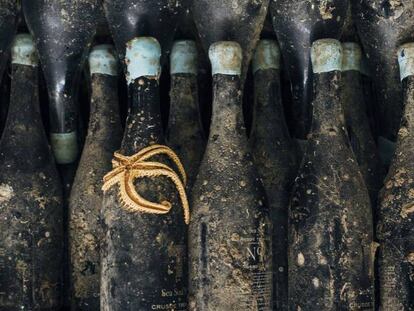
(330, 220)
(381, 25)
(129, 235)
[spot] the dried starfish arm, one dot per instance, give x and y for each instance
(159, 169)
(153, 150)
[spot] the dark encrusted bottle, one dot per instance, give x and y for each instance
(383, 26)
(103, 138)
(356, 118)
(230, 231)
(31, 233)
(396, 205)
(276, 157)
(330, 218)
(62, 31)
(144, 251)
(297, 24)
(184, 133)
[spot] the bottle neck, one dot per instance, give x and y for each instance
(268, 117)
(24, 135)
(353, 98)
(407, 123)
(227, 116)
(143, 126)
(104, 114)
(328, 117)
(184, 108)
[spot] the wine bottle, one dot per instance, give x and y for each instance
(297, 24)
(30, 196)
(330, 218)
(144, 264)
(9, 11)
(62, 31)
(382, 27)
(130, 18)
(275, 156)
(395, 224)
(184, 133)
(236, 20)
(103, 138)
(230, 232)
(358, 126)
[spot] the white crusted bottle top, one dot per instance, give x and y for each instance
(23, 50)
(102, 59)
(266, 56)
(406, 60)
(326, 55)
(351, 56)
(65, 147)
(183, 57)
(142, 58)
(225, 58)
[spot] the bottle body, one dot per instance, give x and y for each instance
(85, 228)
(356, 118)
(275, 156)
(184, 132)
(330, 218)
(230, 245)
(144, 255)
(31, 203)
(394, 227)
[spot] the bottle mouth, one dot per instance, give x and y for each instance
(406, 60)
(142, 58)
(65, 147)
(266, 56)
(23, 50)
(103, 60)
(184, 57)
(326, 55)
(226, 58)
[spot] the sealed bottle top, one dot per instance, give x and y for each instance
(23, 50)
(184, 57)
(102, 60)
(351, 56)
(326, 55)
(406, 60)
(266, 56)
(142, 58)
(226, 58)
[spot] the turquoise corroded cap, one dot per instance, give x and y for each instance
(102, 59)
(406, 60)
(351, 56)
(326, 55)
(266, 56)
(23, 50)
(225, 58)
(142, 58)
(184, 56)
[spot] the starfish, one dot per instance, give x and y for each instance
(126, 169)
